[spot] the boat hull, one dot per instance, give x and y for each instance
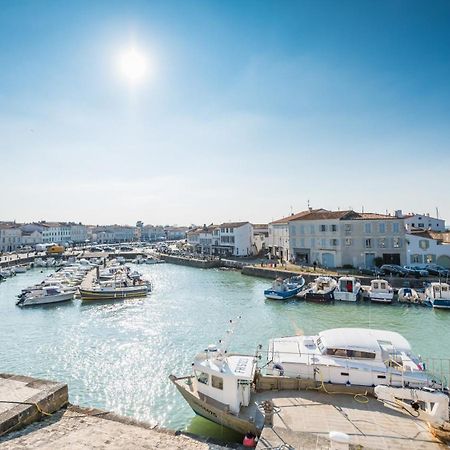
(117, 294)
(381, 298)
(276, 295)
(36, 301)
(314, 297)
(346, 296)
(441, 304)
(212, 412)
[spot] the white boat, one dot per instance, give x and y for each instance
(45, 296)
(380, 291)
(21, 268)
(409, 295)
(7, 272)
(348, 289)
(356, 356)
(321, 290)
(230, 389)
(437, 295)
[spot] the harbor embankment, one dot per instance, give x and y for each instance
(33, 414)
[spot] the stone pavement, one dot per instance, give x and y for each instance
(77, 428)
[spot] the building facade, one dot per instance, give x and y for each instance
(10, 237)
(428, 247)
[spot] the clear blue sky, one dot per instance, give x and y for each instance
(252, 107)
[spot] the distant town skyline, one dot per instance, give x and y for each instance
(186, 112)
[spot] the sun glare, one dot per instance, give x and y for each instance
(133, 65)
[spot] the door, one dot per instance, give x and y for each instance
(369, 259)
(328, 259)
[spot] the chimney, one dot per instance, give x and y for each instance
(398, 213)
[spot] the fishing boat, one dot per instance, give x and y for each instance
(380, 291)
(46, 296)
(284, 289)
(437, 295)
(321, 290)
(348, 289)
(356, 356)
(232, 391)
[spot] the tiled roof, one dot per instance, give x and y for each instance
(233, 224)
(295, 216)
(372, 216)
(321, 214)
(436, 235)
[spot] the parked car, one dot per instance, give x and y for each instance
(415, 271)
(393, 269)
(435, 269)
(96, 249)
(108, 249)
(372, 271)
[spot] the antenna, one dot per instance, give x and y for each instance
(308, 204)
(437, 212)
(225, 342)
(362, 209)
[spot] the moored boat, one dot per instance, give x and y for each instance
(285, 289)
(321, 290)
(409, 295)
(380, 291)
(438, 295)
(348, 289)
(46, 296)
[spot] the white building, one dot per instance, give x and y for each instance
(260, 238)
(233, 239)
(428, 247)
(10, 237)
(78, 233)
(421, 222)
(31, 238)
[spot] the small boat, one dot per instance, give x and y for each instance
(46, 296)
(114, 292)
(7, 272)
(380, 291)
(321, 290)
(437, 295)
(348, 289)
(284, 289)
(21, 268)
(408, 295)
(153, 260)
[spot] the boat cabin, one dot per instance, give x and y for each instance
(225, 379)
(347, 284)
(440, 291)
(380, 286)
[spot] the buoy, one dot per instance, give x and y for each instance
(249, 440)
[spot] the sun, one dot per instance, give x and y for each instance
(133, 65)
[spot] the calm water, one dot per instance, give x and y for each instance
(118, 356)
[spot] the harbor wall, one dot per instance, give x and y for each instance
(191, 262)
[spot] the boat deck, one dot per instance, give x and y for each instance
(304, 419)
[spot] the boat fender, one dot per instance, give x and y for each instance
(249, 440)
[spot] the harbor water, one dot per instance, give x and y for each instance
(118, 355)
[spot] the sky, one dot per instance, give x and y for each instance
(248, 110)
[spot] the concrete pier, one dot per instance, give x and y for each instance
(24, 400)
(304, 420)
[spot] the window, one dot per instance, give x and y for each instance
(202, 377)
(368, 243)
(348, 242)
(368, 228)
(382, 243)
(217, 382)
(430, 259)
(292, 230)
(424, 244)
(323, 228)
(382, 227)
(311, 228)
(421, 225)
(231, 230)
(396, 242)
(302, 229)
(396, 227)
(333, 227)
(348, 229)
(416, 259)
(323, 243)
(334, 242)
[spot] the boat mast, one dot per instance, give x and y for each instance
(225, 342)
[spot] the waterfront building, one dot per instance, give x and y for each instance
(78, 233)
(339, 238)
(260, 238)
(31, 238)
(175, 233)
(422, 222)
(200, 239)
(152, 233)
(428, 247)
(233, 239)
(10, 237)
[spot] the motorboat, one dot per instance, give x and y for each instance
(348, 289)
(437, 295)
(380, 291)
(7, 272)
(231, 390)
(356, 356)
(45, 296)
(114, 291)
(409, 295)
(284, 289)
(321, 290)
(22, 268)
(153, 260)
